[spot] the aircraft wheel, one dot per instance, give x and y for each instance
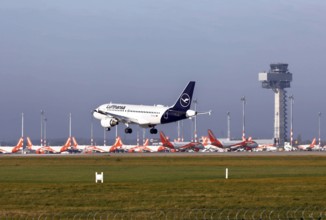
(153, 131)
(107, 129)
(128, 130)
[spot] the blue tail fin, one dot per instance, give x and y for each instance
(184, 101)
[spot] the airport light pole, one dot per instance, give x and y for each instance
(291, 132)
(229, 125)
(45, 121)
(195, 118)
(92, 139)
(42, 115)
(70, 125)
(23, 129)
(104, 141)
(319, 117)
(243, 99)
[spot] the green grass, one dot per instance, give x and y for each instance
(67, 184)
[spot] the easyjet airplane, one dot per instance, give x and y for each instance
(308, 147)
(97, 149)
(146, 116)
(49, 149)
(14, 149)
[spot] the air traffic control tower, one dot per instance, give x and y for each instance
(278, 79)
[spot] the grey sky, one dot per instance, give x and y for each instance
(71, 56)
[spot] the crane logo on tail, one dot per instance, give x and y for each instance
(185, 100)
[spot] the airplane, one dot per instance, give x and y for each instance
(266, 147)
(180, 146)
(147, 148)
(14, 149)
(211, 148)
(98, 149)
(147, 116)
(308, 147)
(139, 148)
(49, 149)
(245, 144)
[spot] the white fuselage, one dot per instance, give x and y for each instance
(6, 149)
(138, 114)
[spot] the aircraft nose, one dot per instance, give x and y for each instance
(97, 114)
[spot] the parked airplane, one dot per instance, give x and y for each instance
(147, 116)
(49, 149)
(245, 144)
(147, 148)
(211, 148)
(308, 147)
(12, 149)
(99, 149)
(180, 146)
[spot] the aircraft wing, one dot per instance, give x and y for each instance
(127, 120)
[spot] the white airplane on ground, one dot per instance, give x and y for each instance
(311, 146)
(98, 149)
(147, 148)
(147, 116)
(211, 148)
(49, 149)
(12, 149)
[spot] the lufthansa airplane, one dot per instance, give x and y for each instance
(147, 116)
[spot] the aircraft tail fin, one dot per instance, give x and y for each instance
(66, 145)
(146, 143)
(75, 144)
(19, 145)
(313, 143)
(213, 139)
(205, 140)
(184, 101)
(118, 142)
(29, 143)
(165, 141)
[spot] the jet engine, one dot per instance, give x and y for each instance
(190, 113)
(109, 122)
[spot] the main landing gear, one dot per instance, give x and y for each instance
(128, 130)
(153, 131)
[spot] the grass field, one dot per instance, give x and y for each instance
(67, 183)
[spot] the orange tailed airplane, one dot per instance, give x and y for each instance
(49, 149)
(99, 149)
(14, 149)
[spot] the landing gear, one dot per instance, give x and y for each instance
(128, 130)
(153, 131)
(107, 129)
